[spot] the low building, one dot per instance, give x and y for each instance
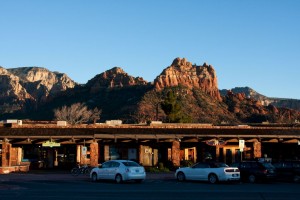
(46, 145)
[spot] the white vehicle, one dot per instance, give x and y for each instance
(119, 171)
(211, 172)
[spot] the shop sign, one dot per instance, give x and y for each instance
(50, 144)
(84, 151)
(241, 145)
(215, 142)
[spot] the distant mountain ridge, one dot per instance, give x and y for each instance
(34, 92)
(115, 77)
(28, 86)
(278, 102)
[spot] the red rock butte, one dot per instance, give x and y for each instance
(182, 72)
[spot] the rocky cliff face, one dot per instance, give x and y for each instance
(114, 78)
(248, 109)
(182, 72)
(264, 100)
(40, 82)
(249, 92)
(10, 86)
(27, 86)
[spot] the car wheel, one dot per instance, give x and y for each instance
(296, 178)
(94, 177)
(212, 178)
(118, 178)
(251, 178)
(180, 176)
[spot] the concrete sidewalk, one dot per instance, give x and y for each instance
(64, 175)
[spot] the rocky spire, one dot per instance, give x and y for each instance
(182, 72)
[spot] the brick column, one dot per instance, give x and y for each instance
(6, 148)
(257, 149)
(176, 153)
(94, 154)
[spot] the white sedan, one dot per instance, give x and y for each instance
(119, 171)
(211, 172)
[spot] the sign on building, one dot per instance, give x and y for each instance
(84, 151)
(241, 145)
(50, 144)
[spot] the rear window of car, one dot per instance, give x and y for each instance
(130, 164)
(246, 164)
(218, 165)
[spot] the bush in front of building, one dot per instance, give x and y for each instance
(186, 163)
(159, 168)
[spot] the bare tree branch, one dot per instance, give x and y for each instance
(77, 113)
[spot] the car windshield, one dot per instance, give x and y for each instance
(131, 164)
(267, 165)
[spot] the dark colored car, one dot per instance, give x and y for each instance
(288, 170)
(253, 171)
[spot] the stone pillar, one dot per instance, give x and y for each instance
(176, 153)
(83, 158)
(256, 149)
(94, 154)
(13, 156)
(6, 148)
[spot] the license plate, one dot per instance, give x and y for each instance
(137, 170)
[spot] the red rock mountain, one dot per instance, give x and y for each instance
(132, 99)
(182, 72)
(115, 77)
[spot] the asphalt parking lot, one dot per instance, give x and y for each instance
(62, 185)
(66, 175)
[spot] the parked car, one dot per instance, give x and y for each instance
(288, 170)
(119, 171)
(211, 172)
(253, 171)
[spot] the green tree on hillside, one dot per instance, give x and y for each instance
(173, 109)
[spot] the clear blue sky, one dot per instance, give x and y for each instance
(253, 43)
